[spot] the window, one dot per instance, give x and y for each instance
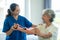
(56, 7)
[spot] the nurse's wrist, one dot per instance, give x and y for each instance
(12, 28)
(19, 28)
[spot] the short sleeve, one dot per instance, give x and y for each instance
(54, 32)
(6, 26)
(40, 26)
(27, 23)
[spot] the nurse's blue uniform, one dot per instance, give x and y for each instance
(16, 35)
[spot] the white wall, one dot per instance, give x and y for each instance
(33, 11)
(36, 7)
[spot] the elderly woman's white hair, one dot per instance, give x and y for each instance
(49, 12)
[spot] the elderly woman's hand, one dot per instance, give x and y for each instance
(37, 31)
(30, 31)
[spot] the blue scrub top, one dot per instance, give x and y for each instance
(16, 35)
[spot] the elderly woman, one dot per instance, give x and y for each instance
(46, 31)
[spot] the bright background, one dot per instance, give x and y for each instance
(32, 10)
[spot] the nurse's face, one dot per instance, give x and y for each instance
(46, 18)
(16, 11)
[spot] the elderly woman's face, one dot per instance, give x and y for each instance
(45, 17)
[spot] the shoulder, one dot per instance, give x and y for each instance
(54, 27)
(22, 17)
(7, 18)
(40, 25)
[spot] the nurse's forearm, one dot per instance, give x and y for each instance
(26, 30)
(21, 29)
(9, 32)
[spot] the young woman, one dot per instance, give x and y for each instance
(12, 23)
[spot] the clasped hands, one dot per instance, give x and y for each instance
(23, 29)
(32, 30)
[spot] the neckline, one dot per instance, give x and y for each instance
(48, 26)
(15, 19)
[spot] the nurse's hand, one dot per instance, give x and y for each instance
(15, 26)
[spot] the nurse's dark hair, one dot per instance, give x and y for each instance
(11, 9)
